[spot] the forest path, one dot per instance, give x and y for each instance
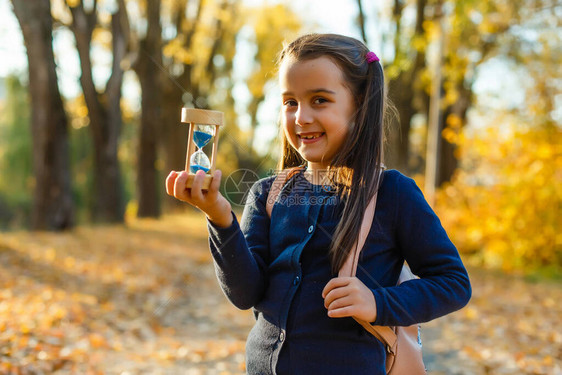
(143, 299)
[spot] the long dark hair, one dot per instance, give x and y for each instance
(355, 170)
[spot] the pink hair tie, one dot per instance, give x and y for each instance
(371, 57)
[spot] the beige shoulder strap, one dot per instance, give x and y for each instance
(349, 268)
(385, 334)
(277, 185)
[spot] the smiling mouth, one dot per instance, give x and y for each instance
(310, 135)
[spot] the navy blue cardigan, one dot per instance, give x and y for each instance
(279, 267)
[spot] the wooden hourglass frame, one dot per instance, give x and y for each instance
(194, 117)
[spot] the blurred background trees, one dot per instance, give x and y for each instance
(52, 203)
(487, 71)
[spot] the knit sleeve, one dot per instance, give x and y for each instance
(240, 252)
(443, 285)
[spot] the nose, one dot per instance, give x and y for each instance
(303, 116)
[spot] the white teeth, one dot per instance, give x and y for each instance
(310, 136)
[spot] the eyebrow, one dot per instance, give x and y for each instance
(313, 91)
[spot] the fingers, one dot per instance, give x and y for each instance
(349, 297)
(195, 195)
(215, 185)
(180, 191)
(170, 180)
(336, 282)
(339, 303)
(196, 187)
(208, 195)
(334, 295)
(343, 312)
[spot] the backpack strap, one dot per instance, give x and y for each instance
(277, 185)
(349, 268)
(385, 334)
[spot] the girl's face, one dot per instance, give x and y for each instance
(317, 108)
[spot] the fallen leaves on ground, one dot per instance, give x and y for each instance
(142, 298)
(510, 326)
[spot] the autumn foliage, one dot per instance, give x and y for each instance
(504, 205)
(140, 298)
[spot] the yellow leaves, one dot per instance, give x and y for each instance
(510, 326)
(82, 301)
(50, 254)
(393, 71)
(82, 110)
(471, 313)
(25, 328)
(510, 195)
(454, 122)
(432, 29)
(103, 37)
(175, 48)
(256, 86)
(73, 3)
(555, 337)
(487, 27)
(278, 18)
(451, 96)
(452, 132)
(97, 341)
(272, 26)
(78, 112)
(545, 152)
(419, 43)
(69, 262)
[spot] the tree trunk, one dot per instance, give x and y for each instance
(104, 110)
(361, 21)
(147, 68)
(435, 118)
(447, 158)
(53, 205)
(397, 151)
(173, 134)
(403, 91)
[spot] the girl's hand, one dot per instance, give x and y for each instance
(349, 297)
(215, 206)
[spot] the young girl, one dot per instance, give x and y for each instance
(285, 267)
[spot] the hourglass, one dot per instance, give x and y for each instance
(203, 127)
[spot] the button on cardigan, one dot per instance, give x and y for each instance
(279, 267)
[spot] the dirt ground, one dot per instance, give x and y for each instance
(143, 299)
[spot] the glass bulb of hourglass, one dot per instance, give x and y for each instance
(199, 161)
(202, 134)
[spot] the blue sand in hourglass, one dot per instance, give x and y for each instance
(194, 168)
(200, 161)
(201, 138)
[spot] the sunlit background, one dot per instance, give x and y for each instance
(476, 86)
